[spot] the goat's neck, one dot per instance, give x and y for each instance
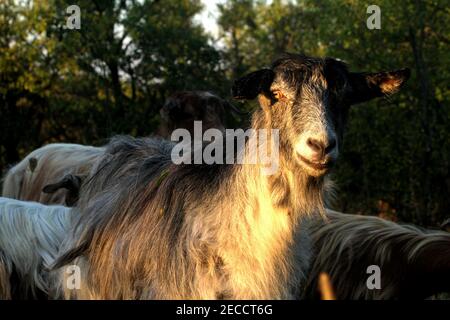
(283, 186)
(263, 212)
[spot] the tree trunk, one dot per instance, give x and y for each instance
(416, 41)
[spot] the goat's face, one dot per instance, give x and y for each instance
(308, 100)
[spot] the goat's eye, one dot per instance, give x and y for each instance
(277, 94)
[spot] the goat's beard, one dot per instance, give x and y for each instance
(301, 189)
(297, 189)
(312, 171)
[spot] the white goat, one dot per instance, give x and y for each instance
(30, 236)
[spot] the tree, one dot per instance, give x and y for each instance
(109, 77)
(23, 94)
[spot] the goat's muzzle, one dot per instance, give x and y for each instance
(317, 153)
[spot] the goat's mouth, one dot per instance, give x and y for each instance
(318, 168)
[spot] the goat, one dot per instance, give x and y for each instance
(30, 236)
(48, 165)
(48, 174)
(183, 108)
(152, 229)
(414, 263)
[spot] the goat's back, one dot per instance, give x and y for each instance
(411, 259)
(48, 165)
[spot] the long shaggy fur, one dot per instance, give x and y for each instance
(30, 237)
(5, 276)
(149, 229)
(414, 263)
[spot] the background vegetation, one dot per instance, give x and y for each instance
(113, 75)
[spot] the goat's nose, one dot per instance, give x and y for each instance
(321, 148)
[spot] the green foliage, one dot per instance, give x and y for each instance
(111, 76)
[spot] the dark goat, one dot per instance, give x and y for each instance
(414, 263)
(183, 108)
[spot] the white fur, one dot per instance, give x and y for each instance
(30, 236)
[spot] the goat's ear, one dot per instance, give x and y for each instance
(53, 187)
(249, 86)
(367, 86)
(69, 182)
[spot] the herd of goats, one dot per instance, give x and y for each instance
(138, 226)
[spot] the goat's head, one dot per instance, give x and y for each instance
(308, 100)
(183, 108)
